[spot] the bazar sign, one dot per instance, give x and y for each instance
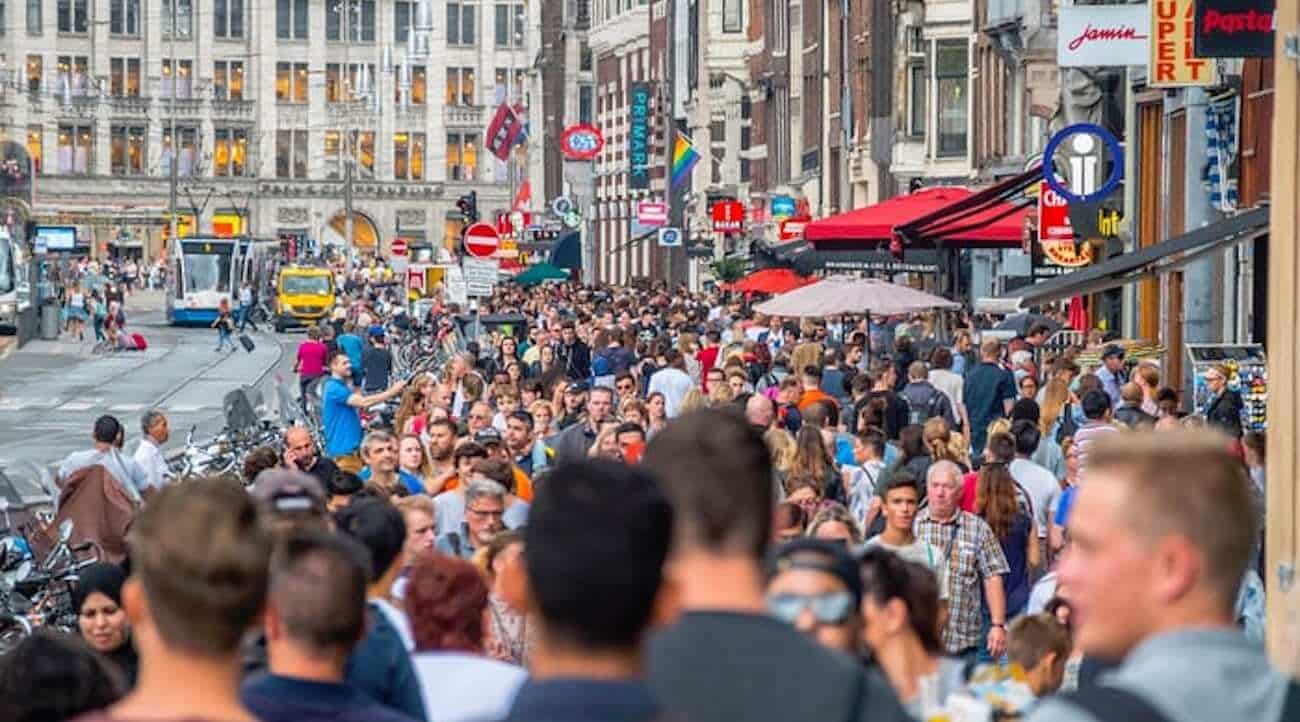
(1103, 35)
(728, 216)
(1173, 57)
(1235, 28)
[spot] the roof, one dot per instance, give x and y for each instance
(1000, 224)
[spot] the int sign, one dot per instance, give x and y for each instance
(481, 240)
(1173, 53)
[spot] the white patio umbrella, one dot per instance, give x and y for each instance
(843, 295)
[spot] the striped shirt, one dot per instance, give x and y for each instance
(1086, 435)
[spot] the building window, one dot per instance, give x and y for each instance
(403, 16)
(460, 23)
(333, 155)
(228, 80)
(124, 17)
(35, 24)
(290, 154)
(408, 156)
(462, 156)
(36, 146)
(230, 152)
(361, 21)
(35, 73)
(127, 151)
(916, 92)
(178, 75)
(504, 93)
(419, 85)
(291, 82)
(733, 16)
(76, 148)
(340, 88)
(746, 141)
(74, 75)
(124, 77)
(74, 16)
(779, 11)
(585, 94)
(178, 13)
(584, 57)
(189, 150)
(228, 18)
(291, 19)
(509, 25)
(460, 86)
(363, 152)
(951, 68)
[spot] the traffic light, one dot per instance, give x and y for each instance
(468, 205)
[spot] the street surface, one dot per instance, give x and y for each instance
(51, 392)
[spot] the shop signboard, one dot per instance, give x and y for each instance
(638, 136)
(1103, 35)
(1173, 55)
(783, 207)
(1235, 28)
(728, 216)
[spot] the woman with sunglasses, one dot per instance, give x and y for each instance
(900, 624)
(814, 586)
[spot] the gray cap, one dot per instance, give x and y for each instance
(285, 490)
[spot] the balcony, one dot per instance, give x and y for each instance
(187, 107)
(129, 105)
(232, 109)
(464, 115)
(411, 115)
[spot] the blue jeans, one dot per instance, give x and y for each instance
(244, 320)
(225, 338)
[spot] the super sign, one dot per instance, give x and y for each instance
(581, 142)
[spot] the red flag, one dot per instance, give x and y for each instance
(502, 132)
(523, 197)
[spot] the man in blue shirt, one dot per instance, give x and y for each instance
(350, 343)
(315, 615)
(989, 393)
(340, 418)
(597, 539)
(380, 454)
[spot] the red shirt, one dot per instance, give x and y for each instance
(708, 358)
(969, 483)
(311, 358)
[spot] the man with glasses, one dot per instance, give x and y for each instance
(1224, 410)
(814, 586)
(485, 508)
(625, 385)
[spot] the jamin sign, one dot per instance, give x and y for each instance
(1173, 52)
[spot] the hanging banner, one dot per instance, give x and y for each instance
(638, 136)
(1173, 57)
(1234, 28)
(503, 132)
(1103, 35)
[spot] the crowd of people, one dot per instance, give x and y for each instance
(642, 505)
(92, 296)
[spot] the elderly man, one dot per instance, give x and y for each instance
(971, 553)
(149, 453)
(485, 506)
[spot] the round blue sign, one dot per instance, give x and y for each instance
(1087, 134)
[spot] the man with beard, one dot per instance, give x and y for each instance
(441, 447)
(300, 454)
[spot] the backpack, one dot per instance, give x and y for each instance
(1116, 704)
(1068, 426)
(918, 414)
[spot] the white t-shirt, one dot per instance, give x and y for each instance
(462, 687)
(1041, 486)
(921, 552)
(674, 384)
(949, 383)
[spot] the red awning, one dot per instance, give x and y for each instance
(1001, 224)
(769, 280)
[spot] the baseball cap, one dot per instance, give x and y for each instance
(285, 491)
(376, 330)
(823, 555)
(1112, 350)
(488, 436)
(576, 387)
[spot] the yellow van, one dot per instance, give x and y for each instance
(304, 296)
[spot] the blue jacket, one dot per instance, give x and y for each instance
(381, 668)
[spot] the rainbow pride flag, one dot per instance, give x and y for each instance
(684, 159)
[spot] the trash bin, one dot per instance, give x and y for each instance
(50, 321)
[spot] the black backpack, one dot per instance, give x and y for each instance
(1069, 427)
(1116, 704)
(933, 407)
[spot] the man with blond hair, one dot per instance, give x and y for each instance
(1160, 538)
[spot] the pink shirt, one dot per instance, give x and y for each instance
(311, 358)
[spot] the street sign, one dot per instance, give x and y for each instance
(415, 279)
(670, 237)
(480, 275)
(561, 205)
(481, 240)
(572, 219)
(399, 247)
(1084, 162)
(454, 280)
(581, 142)
(728, 216)
(652, 213)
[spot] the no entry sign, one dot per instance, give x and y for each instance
(481, 240)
